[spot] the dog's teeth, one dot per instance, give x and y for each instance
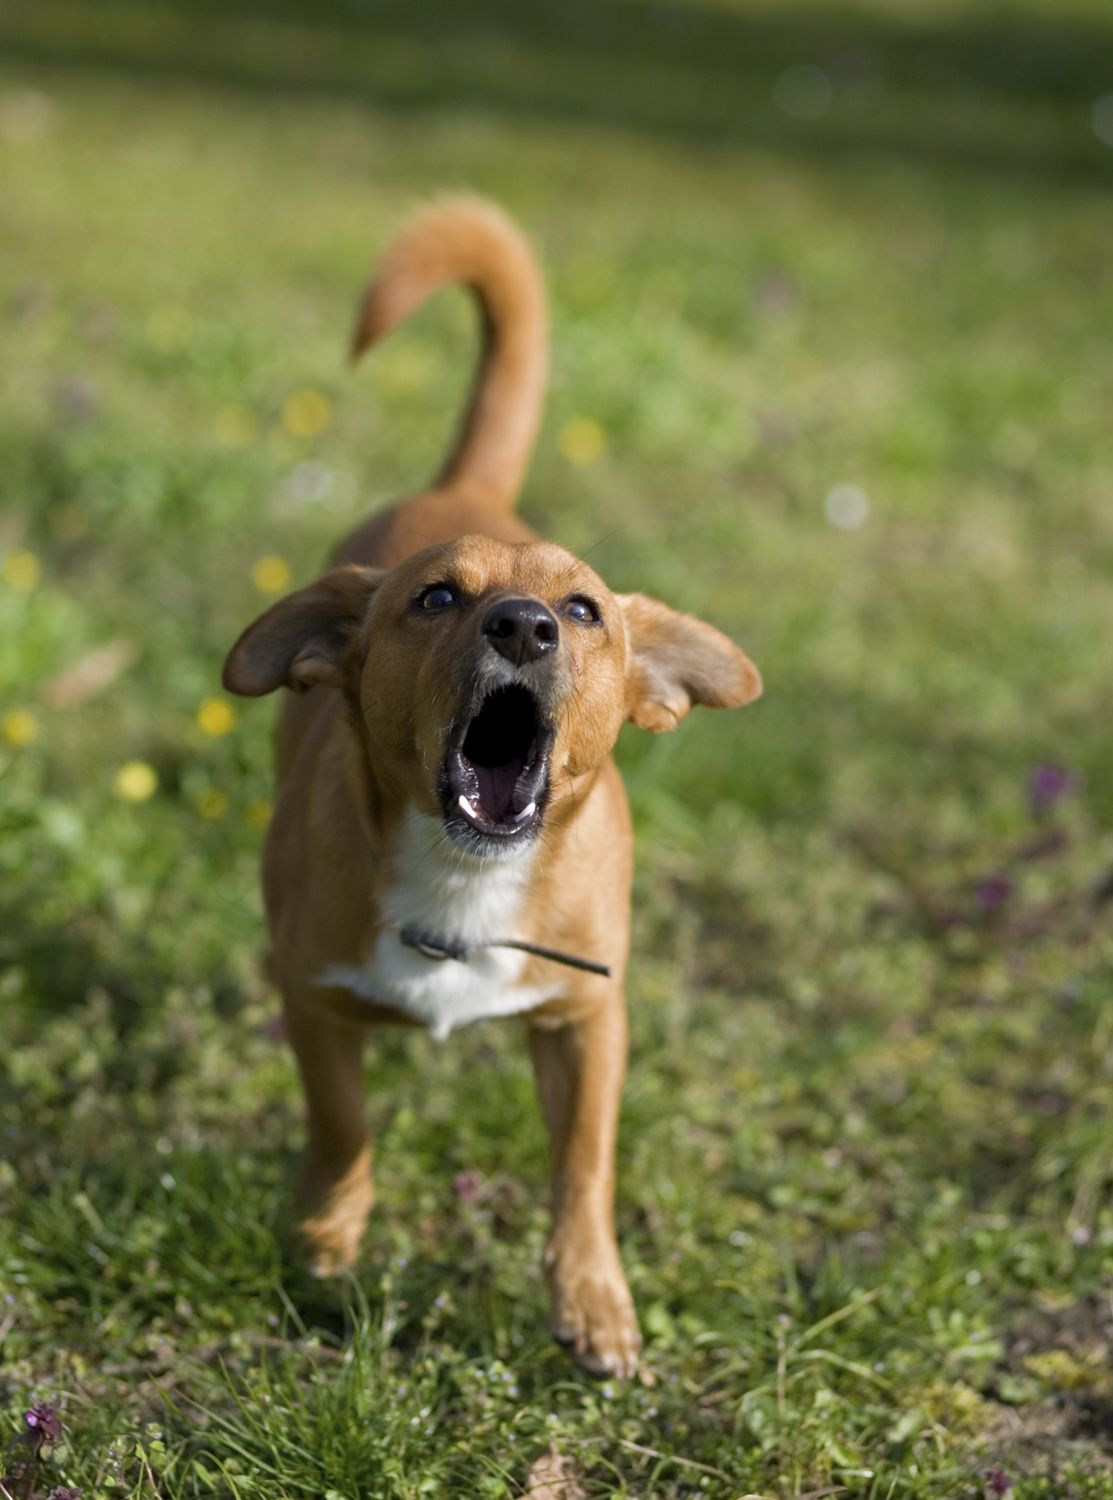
(467, 807)
(525, 813)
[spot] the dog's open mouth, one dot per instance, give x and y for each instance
(496, 774)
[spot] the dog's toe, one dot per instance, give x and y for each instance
(325, 1264)
(593, 1316)
(334, 1213)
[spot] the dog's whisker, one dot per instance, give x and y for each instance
(583, 556)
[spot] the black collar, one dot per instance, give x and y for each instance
(440, 949)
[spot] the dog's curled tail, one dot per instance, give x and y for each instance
(469, 241)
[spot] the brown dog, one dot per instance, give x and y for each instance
(448, 803)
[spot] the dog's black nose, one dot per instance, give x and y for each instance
(521, 629)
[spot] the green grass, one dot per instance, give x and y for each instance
(865, 1162)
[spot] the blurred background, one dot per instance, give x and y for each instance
(831, 300)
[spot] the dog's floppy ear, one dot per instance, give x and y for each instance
(301, 639)
(676, 661)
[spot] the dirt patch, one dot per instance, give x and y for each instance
(1055, 1387)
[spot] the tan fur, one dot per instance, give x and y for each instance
(471, 242)
(376, 684)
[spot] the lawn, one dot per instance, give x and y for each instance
(831, 300)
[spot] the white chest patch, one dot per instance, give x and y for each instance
(439, 890)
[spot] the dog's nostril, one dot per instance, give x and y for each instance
(521, 629)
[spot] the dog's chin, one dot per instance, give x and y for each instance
(494, 783)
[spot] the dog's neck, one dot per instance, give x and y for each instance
(441, 889)
(430, 885)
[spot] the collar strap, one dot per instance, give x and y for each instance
(440, 949)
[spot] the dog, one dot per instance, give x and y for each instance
(451, 839)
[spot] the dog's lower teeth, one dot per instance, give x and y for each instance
(470, 810)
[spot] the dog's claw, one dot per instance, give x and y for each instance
(330, 1232)
(593, 1316)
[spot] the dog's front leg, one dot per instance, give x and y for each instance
(336, 1190)
(580, 1068)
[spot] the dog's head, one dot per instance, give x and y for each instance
(487, 677)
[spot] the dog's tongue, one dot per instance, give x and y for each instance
(496, 789)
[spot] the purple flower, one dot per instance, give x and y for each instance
(1048, 785)
(997, 1484)
(993, 892)
(44, 1421)
(64, 1492)
(467, 1186)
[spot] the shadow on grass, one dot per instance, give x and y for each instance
(1004, 94)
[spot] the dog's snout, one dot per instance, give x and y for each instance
(521, 630)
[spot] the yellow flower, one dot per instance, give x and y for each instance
(136, 781)
(271, 574)
(20, 727)
(582, 441)
(306, 413)
(216, 717)
(258, 814)
(236, 426)
(212, 804)
(23, 570)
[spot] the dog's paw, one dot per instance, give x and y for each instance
(329, 1240)
(326, 1254)
(593, 1313)
(333, 1220)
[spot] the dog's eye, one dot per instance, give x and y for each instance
(437, 596)
(582, 610)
